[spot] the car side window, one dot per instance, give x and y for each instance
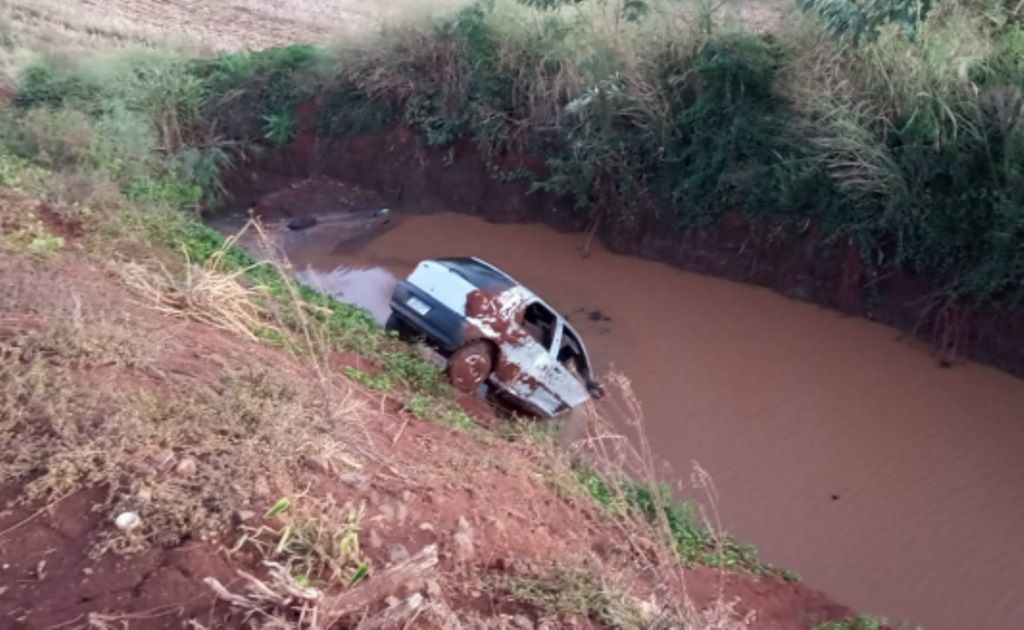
(570, 354)
(539, 321)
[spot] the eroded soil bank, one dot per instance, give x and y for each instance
(838, 446)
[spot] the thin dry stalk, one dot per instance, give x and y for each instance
(617, 457)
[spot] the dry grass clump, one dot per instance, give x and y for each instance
(203, 293)
(182, 455)
(563, 592)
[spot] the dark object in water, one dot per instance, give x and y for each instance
(302, 223)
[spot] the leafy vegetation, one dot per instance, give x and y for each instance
(694, 542)
(860, 622)
(864, 19)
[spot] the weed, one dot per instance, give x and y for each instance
(318, 545)
(692, 541)
(860, 622)
(570, 592)
(378, 382)
(33, 238)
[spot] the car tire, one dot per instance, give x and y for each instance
(394, 323)
(470, 365)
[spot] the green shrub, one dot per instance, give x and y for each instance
(46, 85)
(244, 89)
(693, 542)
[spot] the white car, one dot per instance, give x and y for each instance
(493, 329)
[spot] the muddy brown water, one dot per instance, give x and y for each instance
(839, 448)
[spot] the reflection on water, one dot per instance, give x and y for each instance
(370, 288)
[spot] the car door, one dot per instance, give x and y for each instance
(529, 370)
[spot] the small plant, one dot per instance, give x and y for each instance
(33, 238)
(860, 622)
(318, 546)
(379, 382)
(567, 591)
(280, 128)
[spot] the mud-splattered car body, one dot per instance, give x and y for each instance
(518, 343)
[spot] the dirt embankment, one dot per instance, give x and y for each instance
(799, 263)
(113, 403)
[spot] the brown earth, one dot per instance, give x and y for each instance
(797, 262)
(501, 512)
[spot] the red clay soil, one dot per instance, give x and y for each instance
(798, 263)
(426, 485)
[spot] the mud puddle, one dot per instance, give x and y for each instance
(837, 447)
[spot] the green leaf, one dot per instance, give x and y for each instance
(282, 504)
(361, 572)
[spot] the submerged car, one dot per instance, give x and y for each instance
(493, 330)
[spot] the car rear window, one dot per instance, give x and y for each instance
(480, 276)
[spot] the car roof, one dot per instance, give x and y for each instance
(479, 273)
(484, 275)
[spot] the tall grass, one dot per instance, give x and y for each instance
(925, 140)
(913, 149)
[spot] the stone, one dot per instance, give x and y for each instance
(433, 589)
(164, 459)
(397, 553)
(241, 517)
(374, 540)
(261, 487)
(354, 480)
(127, 521)
(401, 512)
(316, 464)
(186, 467)
(521, 622)
(463, 541)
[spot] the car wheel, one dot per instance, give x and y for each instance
(470, 365)
(394, 322)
